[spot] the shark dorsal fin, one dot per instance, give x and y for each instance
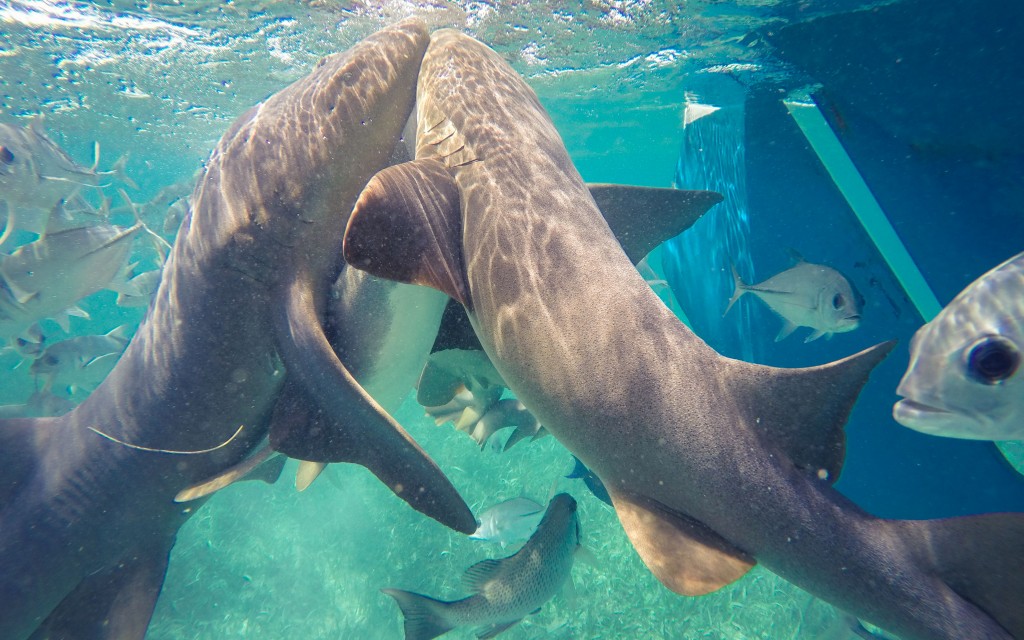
(407, 226)
(643, 217)
(683, 554)
(803, 411)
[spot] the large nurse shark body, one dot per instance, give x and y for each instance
(87, 520)
(713, 464)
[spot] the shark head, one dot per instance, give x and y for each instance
(338, 125)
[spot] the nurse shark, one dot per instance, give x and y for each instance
(712, 464)
(233, 335)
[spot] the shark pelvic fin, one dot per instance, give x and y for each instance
(241, 471)
(407, 226)
(307, 473)
(683, 554)
(643, 217)
(803, 411)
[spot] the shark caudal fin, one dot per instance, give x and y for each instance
(425, 618)
(980, 557)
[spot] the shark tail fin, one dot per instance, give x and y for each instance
(980, 557)
(739, 289)
(425, 618)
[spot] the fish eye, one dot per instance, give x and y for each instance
(5, 155)
(838, 301)
(991, 359)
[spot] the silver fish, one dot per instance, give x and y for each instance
(504, 591)
(37, 176)
(509, 522)
(45, 278)
(806, 295)
(82, 362)
(138, 289)
(965, 378)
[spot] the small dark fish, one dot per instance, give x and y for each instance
(581, 472)
(504, 591)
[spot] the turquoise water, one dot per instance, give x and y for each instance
(162, 82)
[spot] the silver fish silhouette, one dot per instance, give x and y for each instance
(806, 295)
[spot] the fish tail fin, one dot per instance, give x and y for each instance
(162, 247)
(118, 170)
(95, 155)
(739, 288)
(425, 618)
(9, 224)
(979, 557)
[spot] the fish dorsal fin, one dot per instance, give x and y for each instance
(643, 217)
(476, 577)
(795, 256)
(683, 554)
(446, 371)
(803, 411)
(407, 226)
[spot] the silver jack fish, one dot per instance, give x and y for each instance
(965, 378)
(504, 591)
(806, 295)
(37, 177)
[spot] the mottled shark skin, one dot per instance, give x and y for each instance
(87, 522)
(712, 464)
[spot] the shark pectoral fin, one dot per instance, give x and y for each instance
(643, 217)
(407, 226)
(683, 554)
(307, 473)
(238, 472)
(803, 411)
(114, 604)
(304, 428)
